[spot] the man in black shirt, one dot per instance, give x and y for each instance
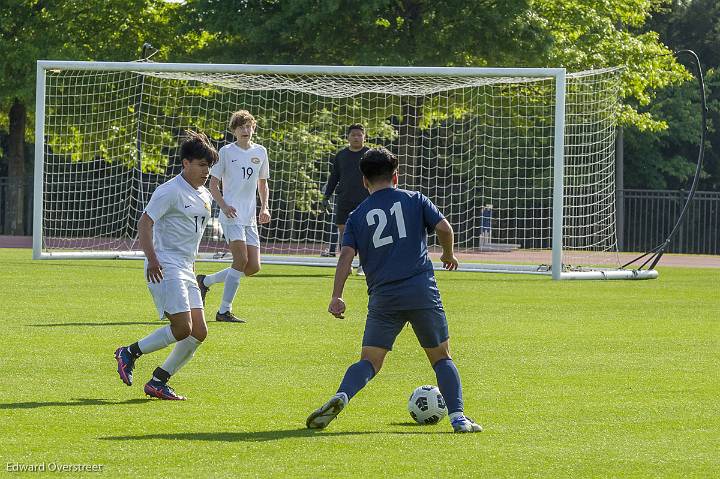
(345, 175)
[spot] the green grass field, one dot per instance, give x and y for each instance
(569, 379)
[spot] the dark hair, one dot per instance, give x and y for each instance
(197, 146)
(355, 126)
(378, 164)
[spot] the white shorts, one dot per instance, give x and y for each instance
(175, 295)
(248, 234)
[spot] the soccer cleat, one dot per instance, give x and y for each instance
(228, 317)
(125, 364)
(465, 424)
(327, 254)
(160, 390)
(201, 284)
(321, 417)
(360, 271)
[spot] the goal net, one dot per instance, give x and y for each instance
(520, 161)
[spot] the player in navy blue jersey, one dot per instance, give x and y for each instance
(389, 232)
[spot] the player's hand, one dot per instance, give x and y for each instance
(449, 261)
(229, 211)
(325, 205)
(264, 216)
(154, 272)
(337, 308)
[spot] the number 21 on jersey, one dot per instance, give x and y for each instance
(379, 216)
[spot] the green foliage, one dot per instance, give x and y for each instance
(32, 30)
(374, 32)
(668, 159)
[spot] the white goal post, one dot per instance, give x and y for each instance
(520, 160)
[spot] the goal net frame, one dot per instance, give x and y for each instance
(557, 75)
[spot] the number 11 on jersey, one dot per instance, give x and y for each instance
(396, 211)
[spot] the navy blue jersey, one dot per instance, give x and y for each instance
(389, 231)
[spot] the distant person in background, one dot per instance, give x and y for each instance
(331, 251)
(345, 175)
(486, 224)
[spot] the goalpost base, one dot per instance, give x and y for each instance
(541, 270)
(611, 274)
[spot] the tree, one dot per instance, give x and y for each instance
(667, 159)
(64, 30)
(372, 32)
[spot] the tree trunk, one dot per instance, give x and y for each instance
(409, 144)
(15, 206)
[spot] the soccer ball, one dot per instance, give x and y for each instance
(426, 405)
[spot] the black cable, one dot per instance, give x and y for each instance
(657, 252)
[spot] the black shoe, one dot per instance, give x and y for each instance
(201, 284)
(228, 317)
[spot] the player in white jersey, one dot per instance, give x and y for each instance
(169, 232)
(243, 170)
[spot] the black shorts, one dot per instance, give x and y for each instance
(342, 211)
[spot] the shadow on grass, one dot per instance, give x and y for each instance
(111, 264)
(329, 274)
(255, 436)
(123, 323)
(74, 402)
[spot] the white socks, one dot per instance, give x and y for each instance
(182, 353)
(455, 415)
(218, 277)
(158, 339)
(232, 283)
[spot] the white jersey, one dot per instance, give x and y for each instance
(180, 213)
(239, 170)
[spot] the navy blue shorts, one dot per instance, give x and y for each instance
(382, 327)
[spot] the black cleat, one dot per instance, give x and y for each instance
(200, 279)
(322, 416)
(228, 317)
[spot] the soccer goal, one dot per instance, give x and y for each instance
(520, 160)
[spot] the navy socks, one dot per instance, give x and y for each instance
(448, 380)
(356, 377)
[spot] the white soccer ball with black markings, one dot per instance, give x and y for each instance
(426, 405)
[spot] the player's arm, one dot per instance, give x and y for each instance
(264, 193)
(342, 271)
(229, 211)
(334, 178)
(445, 236)
(145, 236)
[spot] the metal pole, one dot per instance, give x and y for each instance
(39, 161)
(620, 188)
(558, 173)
